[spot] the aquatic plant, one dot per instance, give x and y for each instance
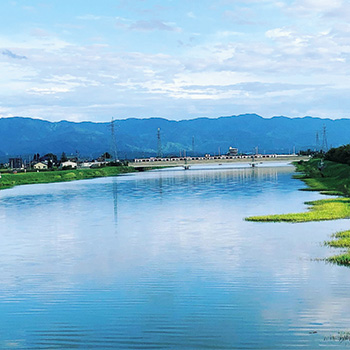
(341, 336)
(324, 209)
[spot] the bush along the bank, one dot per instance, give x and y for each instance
(340, 154)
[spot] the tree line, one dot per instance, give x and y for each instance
(340, 154)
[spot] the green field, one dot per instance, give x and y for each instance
(9, 180)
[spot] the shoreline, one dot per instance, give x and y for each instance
(333, 179)
(9, 180)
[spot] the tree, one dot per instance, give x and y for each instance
(50, 156)
(63, 157)
(106, 155)
(340, 154)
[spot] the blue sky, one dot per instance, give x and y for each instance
(94, 60)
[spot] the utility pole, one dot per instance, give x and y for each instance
(159, 152)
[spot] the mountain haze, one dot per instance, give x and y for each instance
(138, 137)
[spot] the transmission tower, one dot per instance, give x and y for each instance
(324, 139)
(192, 146)
(159, 152)
(114, 152)
(317, 142)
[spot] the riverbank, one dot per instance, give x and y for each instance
(328, 178)
(27, 178)
(331, 179)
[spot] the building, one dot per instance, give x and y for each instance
(232, 151)
(16, 163)
(40, 166)
(68, 165)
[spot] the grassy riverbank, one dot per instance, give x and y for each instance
(332, 179)
(11, 180)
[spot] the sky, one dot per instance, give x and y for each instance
(83, 60)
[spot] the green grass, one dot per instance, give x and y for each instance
(340, 240)
(324, 209)
(334, 179)
(11, 180)
(342, 259)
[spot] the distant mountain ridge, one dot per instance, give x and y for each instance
(138, 137)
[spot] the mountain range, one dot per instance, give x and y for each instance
(138, 137)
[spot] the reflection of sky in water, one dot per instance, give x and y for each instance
(164, 259)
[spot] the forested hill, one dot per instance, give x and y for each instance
(138, 137)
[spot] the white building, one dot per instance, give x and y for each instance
(232, 151)
(40, 166)
(69, 164)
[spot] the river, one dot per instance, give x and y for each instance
(164, 260)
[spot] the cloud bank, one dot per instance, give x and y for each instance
(175, 59)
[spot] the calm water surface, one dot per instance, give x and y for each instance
(164, 260)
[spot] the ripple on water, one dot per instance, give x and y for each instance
(165, 260)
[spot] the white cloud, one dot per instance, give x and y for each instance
(281, 65)
(278, 33)
(47, 43)
(191, 15)
(89, 17)
(47, 91)
(317, 5)
(223, 78)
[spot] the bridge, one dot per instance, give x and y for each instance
(188, 161)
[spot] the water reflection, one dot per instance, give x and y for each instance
(184, 270)
(115, 199)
